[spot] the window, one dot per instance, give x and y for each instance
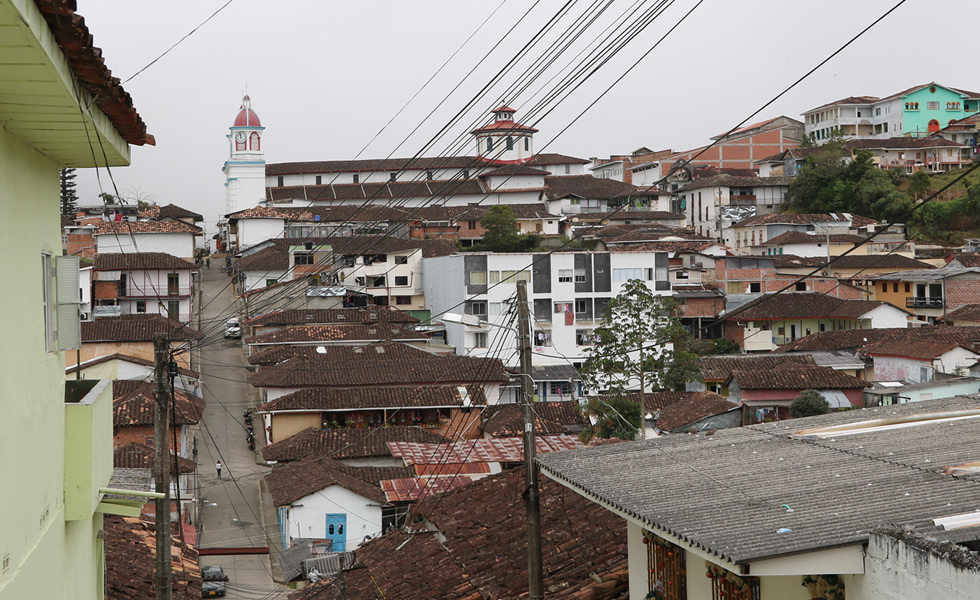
(403, 300)
(378, 281)
(319, 179)
(141, 306)
(269, 282)
(565, 275)
(727, 585)
(527, 144)
(393, 177)
(510, 143)
(471, 225)
(496, 308)
(494, 276)
(466, 173)
(895, 287)
(515, 276)
(279, 181)
(800, 286)
(478, 307)
(877, 112)
(568, 169)
(173, 309)
(560, 388)
(884, 286)
(401, 280)
(932, 105)
(580, 276)
(489, 144)
(480, 340)
(584, 337)
(581, 306)
(478, 278)
(357, 178)
(667, 568)
(393, 517)
(755, 288)
(823, 327)
(908, 287)
(401, 260)
(563, 307)
(601, 307)
(303, 258)
(627, 274)
(253, 141)
(682, 275)
(542, 338)
(428, 175)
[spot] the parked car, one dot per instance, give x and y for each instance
(233, 328)
(213, 573)
(212, 589)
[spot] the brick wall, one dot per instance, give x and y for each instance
(702, 307)
(80, 244)
(140, 435)
(962, 291)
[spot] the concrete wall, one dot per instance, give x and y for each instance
(180, 245)
(307, 516)
(288, 424)
(899, 569)
(256, 231)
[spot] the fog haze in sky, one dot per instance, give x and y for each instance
(326, 77)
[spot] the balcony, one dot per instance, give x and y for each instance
(88, 445)
(924, 302)
(742, 200)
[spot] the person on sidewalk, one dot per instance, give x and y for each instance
(218, 466)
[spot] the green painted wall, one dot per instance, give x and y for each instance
(916, 122)
(45, 552)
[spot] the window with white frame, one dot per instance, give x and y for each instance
(401, 260)
(494, 276)
(401, 280)
(580, 275)
(542, 338)
(478, 307)
(560, 388)
(515, 276)
(581, 306)
(627, 274)
(496, 308)
(48, 301)
(480, 340)
(565, 275)
(563, 307)
(478, 277)
(584, 337)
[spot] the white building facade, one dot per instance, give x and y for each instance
(245, 168)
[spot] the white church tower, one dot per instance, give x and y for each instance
(245, 168)
(505, 141)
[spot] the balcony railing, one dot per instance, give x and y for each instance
(924, 302)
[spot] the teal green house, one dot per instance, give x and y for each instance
(927, 109)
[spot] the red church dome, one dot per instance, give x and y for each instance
(246, 116)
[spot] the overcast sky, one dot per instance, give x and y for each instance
(325, 77)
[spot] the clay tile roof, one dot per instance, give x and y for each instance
(720, 367)
(854, 261)
(384, 190)
(968, 259)
(438, 247)
(900, 143)
(88, 65)
(694, 406)
(267, 259)
(547, 159)
(136, 328)
(278, 355)
(805, 219)
(389, 363)
(346, 443)
(121, 261)
(141, 456)
(133, 404)
(515, 169)
(852, 339)
(321, 399)
(506, 420)
(121, 227)
(375, 164)
(130, 562)
(658, 246)
(587, 186)
(290, 482)
(915, 349)
(793, 377)
(345, 332)
(657, 400)
(967, 312)
(727, 180)
(169, 211)
(800, 237)
(325, 316)
(127, 358)
(480, 549)
(774, 307)
(848, 100)
(270, 212)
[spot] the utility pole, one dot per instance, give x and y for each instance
(534, 564)
(161, 463)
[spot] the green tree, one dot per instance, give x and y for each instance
(613, 417)
(69, 197)
(809, 403)
(641, 345)
(108, 198)
(501, 230)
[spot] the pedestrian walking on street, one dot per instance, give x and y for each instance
(208, 261)
(217, 466)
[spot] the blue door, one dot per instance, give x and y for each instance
(336, 532)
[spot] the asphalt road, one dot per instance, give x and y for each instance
(231, 513)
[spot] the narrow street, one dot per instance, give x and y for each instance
(231, 510)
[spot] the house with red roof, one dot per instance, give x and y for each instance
(765, 395)
(919, 361)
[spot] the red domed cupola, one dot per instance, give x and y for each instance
(246, 116)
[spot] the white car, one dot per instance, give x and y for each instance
(233, 329)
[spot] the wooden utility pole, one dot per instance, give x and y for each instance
(161, 463)
(535, 573)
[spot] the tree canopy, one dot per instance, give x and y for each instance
(501, 230)
(809, 403)
(640, 346)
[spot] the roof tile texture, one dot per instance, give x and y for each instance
(346, 443)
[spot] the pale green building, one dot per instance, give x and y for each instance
(56, 443)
